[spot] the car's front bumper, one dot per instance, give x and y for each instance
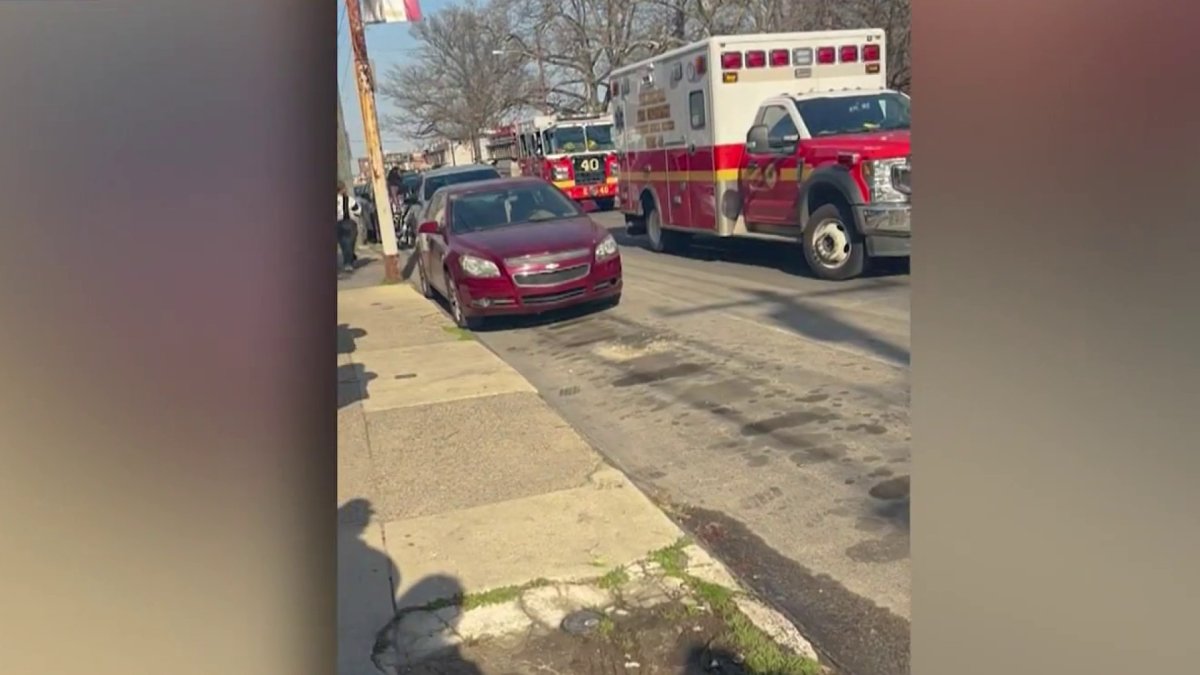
(502, 297)
(887, 228)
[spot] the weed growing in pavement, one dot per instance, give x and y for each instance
(459, 332)
(607, 626)
(760, 652)
(614, 579)
(672, 559)
(495, 596)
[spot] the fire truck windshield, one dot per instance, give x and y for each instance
(885, 111)
(581, 138)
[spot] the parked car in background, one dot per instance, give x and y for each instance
(369, 220)
(514, 246)
(430, 181)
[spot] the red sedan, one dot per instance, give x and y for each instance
(514, 246)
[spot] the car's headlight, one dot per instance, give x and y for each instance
(607, 248)
(478, 267)
(879, 175)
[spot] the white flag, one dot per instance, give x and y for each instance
(391, 11)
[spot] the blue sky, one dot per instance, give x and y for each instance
(387, 44)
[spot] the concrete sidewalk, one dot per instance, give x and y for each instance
(455, 477)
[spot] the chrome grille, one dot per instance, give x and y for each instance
(551, 277)
(545, 258)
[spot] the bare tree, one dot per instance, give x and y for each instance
(580, 42)
(463, 81)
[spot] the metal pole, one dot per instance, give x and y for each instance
(366, 101)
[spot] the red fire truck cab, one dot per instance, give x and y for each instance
(577, 154)
(791, 137)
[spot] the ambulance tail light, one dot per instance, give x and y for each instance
(756, 59)
(731, 60)
(802, 56)
(701, 65)
(780, 58)
(826, 55)
(870, 53)
(848, 54)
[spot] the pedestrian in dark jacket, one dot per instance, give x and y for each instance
(348, 210)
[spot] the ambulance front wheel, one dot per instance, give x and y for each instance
(833, 249)
(663, 240)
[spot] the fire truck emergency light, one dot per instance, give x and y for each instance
(780, 58)
(848, 54)
(870, 52)
(731, 60)
(756, 59)
(826, 55)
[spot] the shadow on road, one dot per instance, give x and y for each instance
(781, 256)
(808, 319)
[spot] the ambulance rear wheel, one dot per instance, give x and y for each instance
(663, 240)
(833, 249)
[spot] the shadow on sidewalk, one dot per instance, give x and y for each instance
(352, 378)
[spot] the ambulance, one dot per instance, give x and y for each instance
(788, 137)
(577, 154)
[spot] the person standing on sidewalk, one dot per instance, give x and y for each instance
(347, 227)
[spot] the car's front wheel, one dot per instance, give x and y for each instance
(457, 311)
(833, 249)
(423, 282)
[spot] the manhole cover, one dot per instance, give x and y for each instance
(583, 621)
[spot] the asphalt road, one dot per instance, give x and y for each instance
(767, 411)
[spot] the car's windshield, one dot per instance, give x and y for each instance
(504, 206)
(434, 183)
(581, 138)
(854, 114)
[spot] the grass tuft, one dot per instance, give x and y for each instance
(459, 332)
(672, 559)
(614, 579)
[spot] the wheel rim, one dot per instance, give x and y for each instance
(455, 306)
(831, 243)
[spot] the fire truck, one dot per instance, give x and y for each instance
(577, 154)
(789, 137)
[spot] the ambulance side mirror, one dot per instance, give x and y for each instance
(756, 139)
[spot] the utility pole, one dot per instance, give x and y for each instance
(365, 79)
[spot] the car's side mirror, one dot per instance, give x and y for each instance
(429, 227)
(589, 206)
(756, 139)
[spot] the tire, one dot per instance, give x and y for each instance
(662, 240)
(834, 250)
(423, 283)
(461, 320)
